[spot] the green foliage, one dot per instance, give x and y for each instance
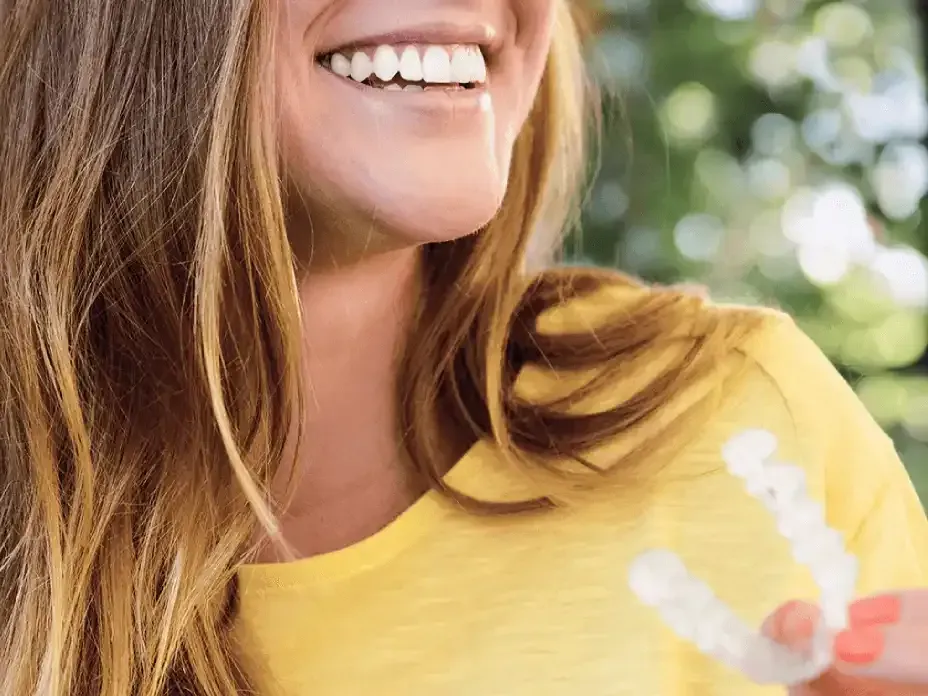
(773, 151)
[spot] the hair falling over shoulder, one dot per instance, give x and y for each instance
(145, 268)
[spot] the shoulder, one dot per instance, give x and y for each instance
(636, 338)
(763, 367)
(763, 372)
(792, 388)
(821, 415)
(866, 489)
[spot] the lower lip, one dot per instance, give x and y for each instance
(439, 101)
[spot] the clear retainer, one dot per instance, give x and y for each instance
(690, 608)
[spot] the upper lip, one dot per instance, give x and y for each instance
(478, 34)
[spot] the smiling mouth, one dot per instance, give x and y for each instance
(410, 67)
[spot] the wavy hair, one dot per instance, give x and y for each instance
(145, 268)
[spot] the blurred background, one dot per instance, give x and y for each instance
(775, 152)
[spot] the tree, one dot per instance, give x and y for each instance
(775, 151)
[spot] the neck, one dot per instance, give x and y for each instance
(350, 477)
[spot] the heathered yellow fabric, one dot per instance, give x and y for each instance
(445, 603)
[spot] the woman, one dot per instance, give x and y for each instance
(278, 422)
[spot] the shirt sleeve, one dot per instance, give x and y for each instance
(869, 496)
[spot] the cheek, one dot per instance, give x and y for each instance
(536, 20)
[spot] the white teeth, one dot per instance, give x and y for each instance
(436, 65)
(461, 66)
(341, 65)
(393, 88)
(428, 65)
(361, 67)
(411, 65)
(478, 65)
(414, 88)
(386, 63)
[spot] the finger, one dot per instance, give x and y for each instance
(890, 608)
(892, 653)
(834, 683)
(792, 624)
(796, 620)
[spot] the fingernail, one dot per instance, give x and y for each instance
(885, 609)
(860, 646)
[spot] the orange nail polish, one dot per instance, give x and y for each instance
(870, 611)
(860, 646)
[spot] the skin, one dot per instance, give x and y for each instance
(372, 177)
(881, 654)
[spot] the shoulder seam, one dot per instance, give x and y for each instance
(779, 322)
(774, 322)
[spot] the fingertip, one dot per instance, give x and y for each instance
(888, 653)
(876, 610)
(792, 622)
(859, 646)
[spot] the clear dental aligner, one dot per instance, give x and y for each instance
(689, 606)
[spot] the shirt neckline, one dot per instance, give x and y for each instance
(373, 551)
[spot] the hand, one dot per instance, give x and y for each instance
(884, 652)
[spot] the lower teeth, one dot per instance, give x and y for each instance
(394, 87)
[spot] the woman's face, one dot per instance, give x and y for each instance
(399, 116)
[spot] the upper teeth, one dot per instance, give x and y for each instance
(429, 64)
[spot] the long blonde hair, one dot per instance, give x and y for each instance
(146, 268)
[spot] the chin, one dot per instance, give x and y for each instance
(396, 202)
(448, 207)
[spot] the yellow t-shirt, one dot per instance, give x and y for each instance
(444, 602)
